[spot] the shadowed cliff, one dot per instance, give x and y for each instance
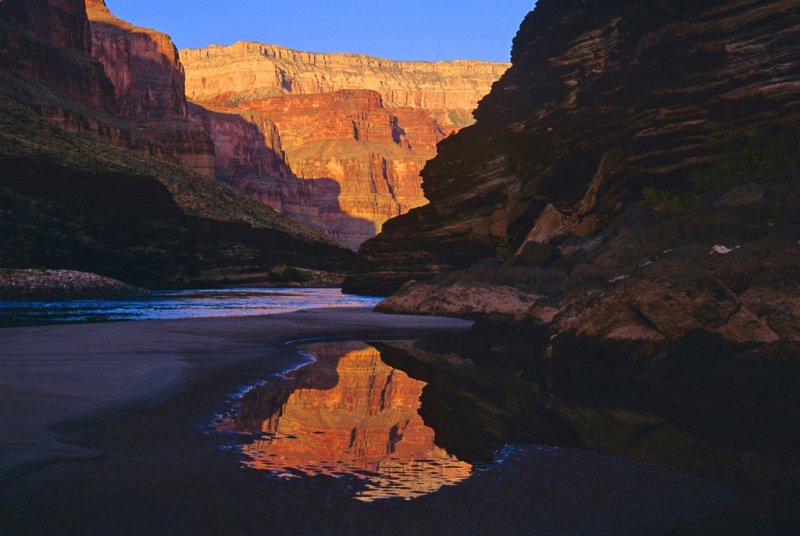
(86, 187)
(622, 223)
(605, 101)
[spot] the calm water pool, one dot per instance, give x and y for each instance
(178, 304)
(349, 424)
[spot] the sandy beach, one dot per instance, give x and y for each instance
(55, 374)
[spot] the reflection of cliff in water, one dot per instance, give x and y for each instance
(348, 414)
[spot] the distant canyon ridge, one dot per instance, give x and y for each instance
(337, 141)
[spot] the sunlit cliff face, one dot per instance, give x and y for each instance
(347, 415)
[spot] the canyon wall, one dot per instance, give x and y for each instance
(149, 86)
(102, 170)
(621, 222)
(606, 102)
(37, 41)
(252, 71)
(355, 130)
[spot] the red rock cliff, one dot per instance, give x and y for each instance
(149, 85)
(90, 185)
(48, 41)
(253, 71)
(353, 127)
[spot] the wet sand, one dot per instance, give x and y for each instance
(55, 374)
(132, 405)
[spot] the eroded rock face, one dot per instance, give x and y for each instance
(91, 186)
(252, 71)
(356, 130)
(603, 99)
(149, 86)
(59, 22)
(349, 140)
(726, 271)
(37, 42)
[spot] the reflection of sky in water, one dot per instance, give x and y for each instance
(347, 415)
(179, 304)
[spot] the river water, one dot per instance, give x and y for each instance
(349, 416)
(174, 304)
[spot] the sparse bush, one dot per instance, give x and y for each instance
(289, 274)
(738, 156)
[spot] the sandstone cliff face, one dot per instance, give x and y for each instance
(356, 130)
(252, 71)
(251, 159)
(49, 41)
(84, 186)
(149, 86)
(59, 22)
(350, 141)
(604, 99)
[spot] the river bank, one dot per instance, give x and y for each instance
(54, 374)
(131, 404)
(61, 285)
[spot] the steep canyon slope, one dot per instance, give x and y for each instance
(102, 169)
(148, 80)
(606, 103)
(355, 130)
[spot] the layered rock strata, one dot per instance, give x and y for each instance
(621, 221)
(356, 130)
(148, 80)
(604, 100)
(251, 71)
(49, 41)
(84, 187)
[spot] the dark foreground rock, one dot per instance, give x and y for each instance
(720, 412)
(622, 222)
(722, 268)
(61, 285)
(606, 102)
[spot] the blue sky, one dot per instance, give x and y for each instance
(404, 30)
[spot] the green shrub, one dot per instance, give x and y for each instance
(741, 156)
(738, 156)
(289, 274)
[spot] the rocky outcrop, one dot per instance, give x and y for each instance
(85, 187)
(725, 270)
(605, 101)
(356, 130)
(621, 221)
(61, 285)
(149, 86)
